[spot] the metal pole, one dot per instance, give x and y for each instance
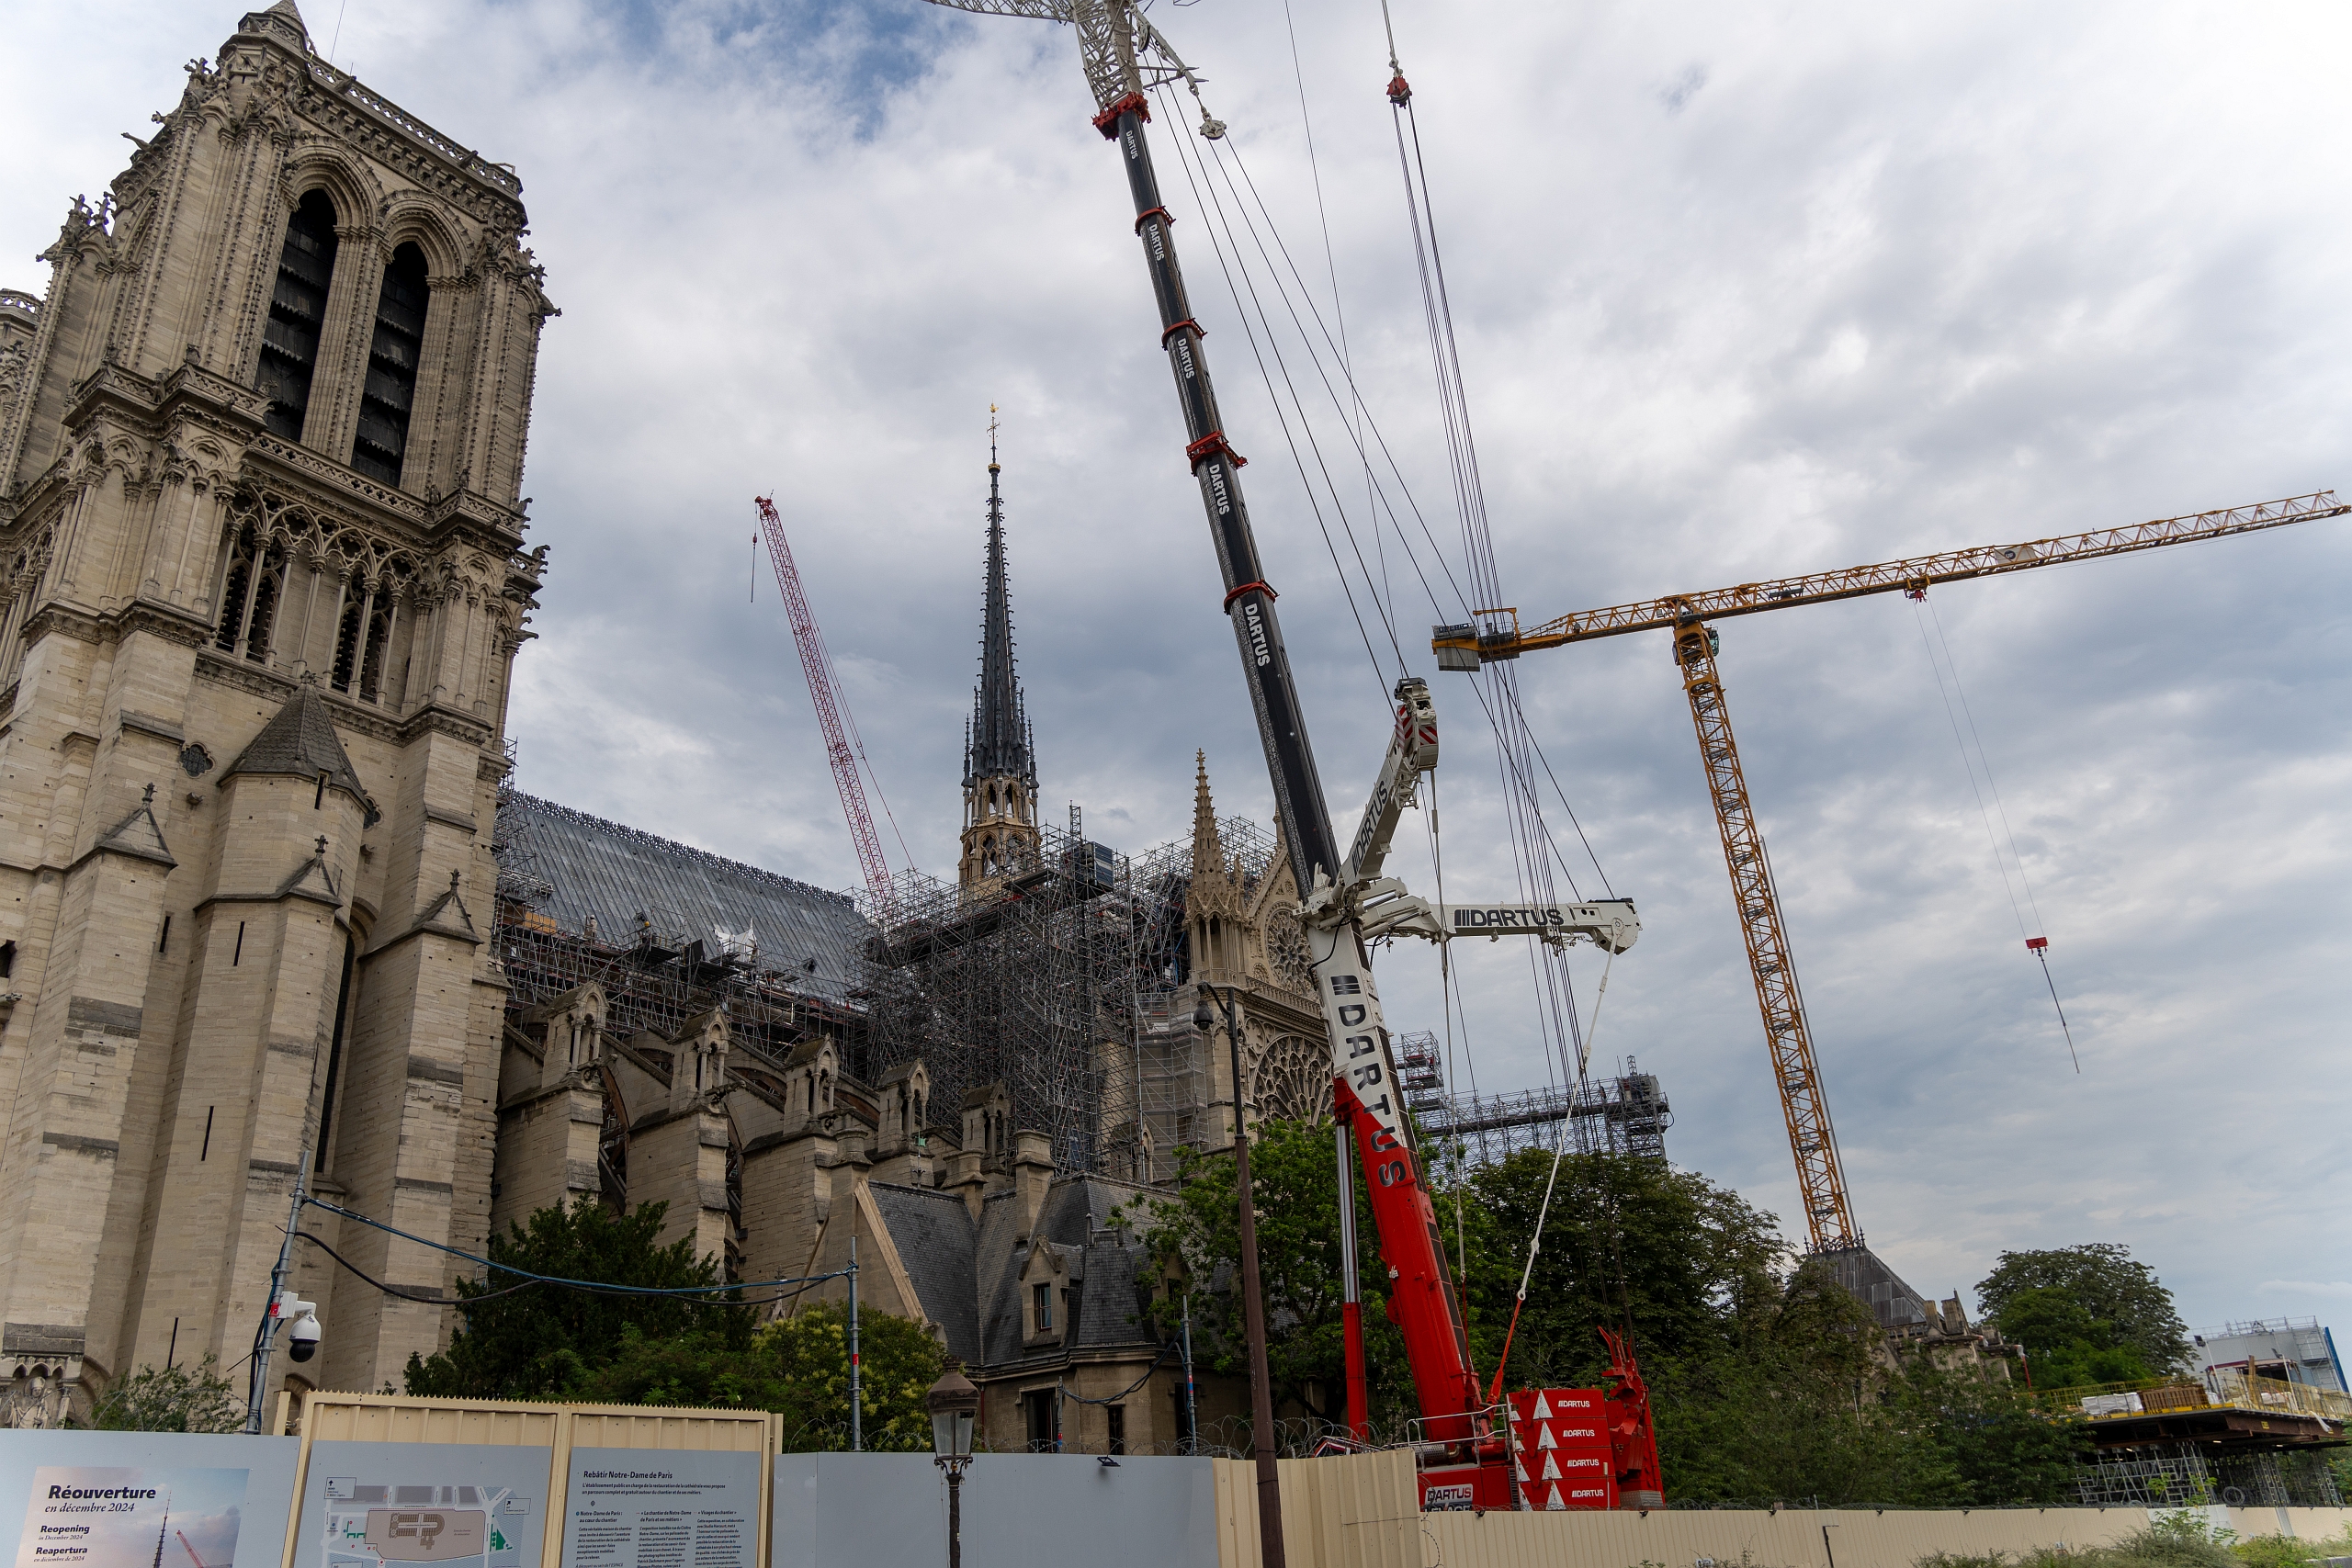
(1350, 1292)
(265, 1336)
(857, 1417)
(1261, 1389)
(956, 1514)
(1191, 1413)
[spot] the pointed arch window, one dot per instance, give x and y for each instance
(249, 595)
(289, 337)
(381, 444)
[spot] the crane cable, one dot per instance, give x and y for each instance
(1559, 1148)
(1535, 849)
(2039, 945)
(1555, 986)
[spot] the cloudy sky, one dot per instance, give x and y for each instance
(1741, 291)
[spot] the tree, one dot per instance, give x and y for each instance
(798, 1367)
(1688, 1265)
(2090, 1310)
(2001, 1449)
(1295, 1182)
(172, 1399)
(546, 1341)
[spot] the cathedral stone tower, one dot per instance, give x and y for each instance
(260, 451)
(1000, 765)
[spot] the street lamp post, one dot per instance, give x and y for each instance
(954, 1402)
(1253, 1307)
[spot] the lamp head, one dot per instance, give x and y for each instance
(954, 1402)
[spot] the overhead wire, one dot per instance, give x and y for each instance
(1230, 214)
(1356, 402)
(726, 1295)
(2037, 941)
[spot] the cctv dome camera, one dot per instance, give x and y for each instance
(302, 1338)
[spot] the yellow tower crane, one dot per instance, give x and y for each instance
(1495, 634)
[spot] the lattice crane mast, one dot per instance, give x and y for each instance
(824, 690)
(1495, 634)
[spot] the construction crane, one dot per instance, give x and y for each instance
(189, 1549)
(1494, 635)
(1346, 899)
(824, 690)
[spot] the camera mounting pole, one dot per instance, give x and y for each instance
(265, 1336)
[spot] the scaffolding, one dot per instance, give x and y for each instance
(2186, 1475)
(1627, 1114)
(1058, 980)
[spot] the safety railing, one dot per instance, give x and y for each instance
(2220, 1387)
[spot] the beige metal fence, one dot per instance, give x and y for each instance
(559, 1428)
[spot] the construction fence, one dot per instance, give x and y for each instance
(377, 1479)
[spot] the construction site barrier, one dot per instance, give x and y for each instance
(597, 1484)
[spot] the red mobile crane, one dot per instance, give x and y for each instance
(1347, 899)
(824, 690)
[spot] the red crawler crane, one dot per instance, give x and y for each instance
(824, 690)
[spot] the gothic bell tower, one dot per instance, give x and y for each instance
(1000, 763)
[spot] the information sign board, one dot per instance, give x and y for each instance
(661, 1508)
(467, 1505)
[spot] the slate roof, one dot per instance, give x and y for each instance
(1106, 1296)
(932, 1232)
(968, 1276)
(578, 866)
(300, 739)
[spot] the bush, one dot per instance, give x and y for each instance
(172, 1399)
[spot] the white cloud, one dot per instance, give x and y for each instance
(1878, 281)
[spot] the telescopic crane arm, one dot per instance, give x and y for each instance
(1494, 635)
(1122, 56)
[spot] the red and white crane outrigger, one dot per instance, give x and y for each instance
(1465, 1448)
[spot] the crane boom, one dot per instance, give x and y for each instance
(1494, 635)
(1500, 639)
(823, 690)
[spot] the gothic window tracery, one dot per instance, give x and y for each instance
(1293, 1080)
(1286, 951)
(289, 346)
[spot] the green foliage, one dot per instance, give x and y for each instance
(1692, 1265)
(545, 1342)
(172, 1399)
(798, 1367)
(2180, 1541)
(1295, 1182)
(2086, 1315)
(548, 1342)
(1767, 1379)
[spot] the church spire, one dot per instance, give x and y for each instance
(999, 744)
(1000, 763)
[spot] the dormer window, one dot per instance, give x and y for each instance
(383, 442)
(298, 306)
(1041, 1302)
